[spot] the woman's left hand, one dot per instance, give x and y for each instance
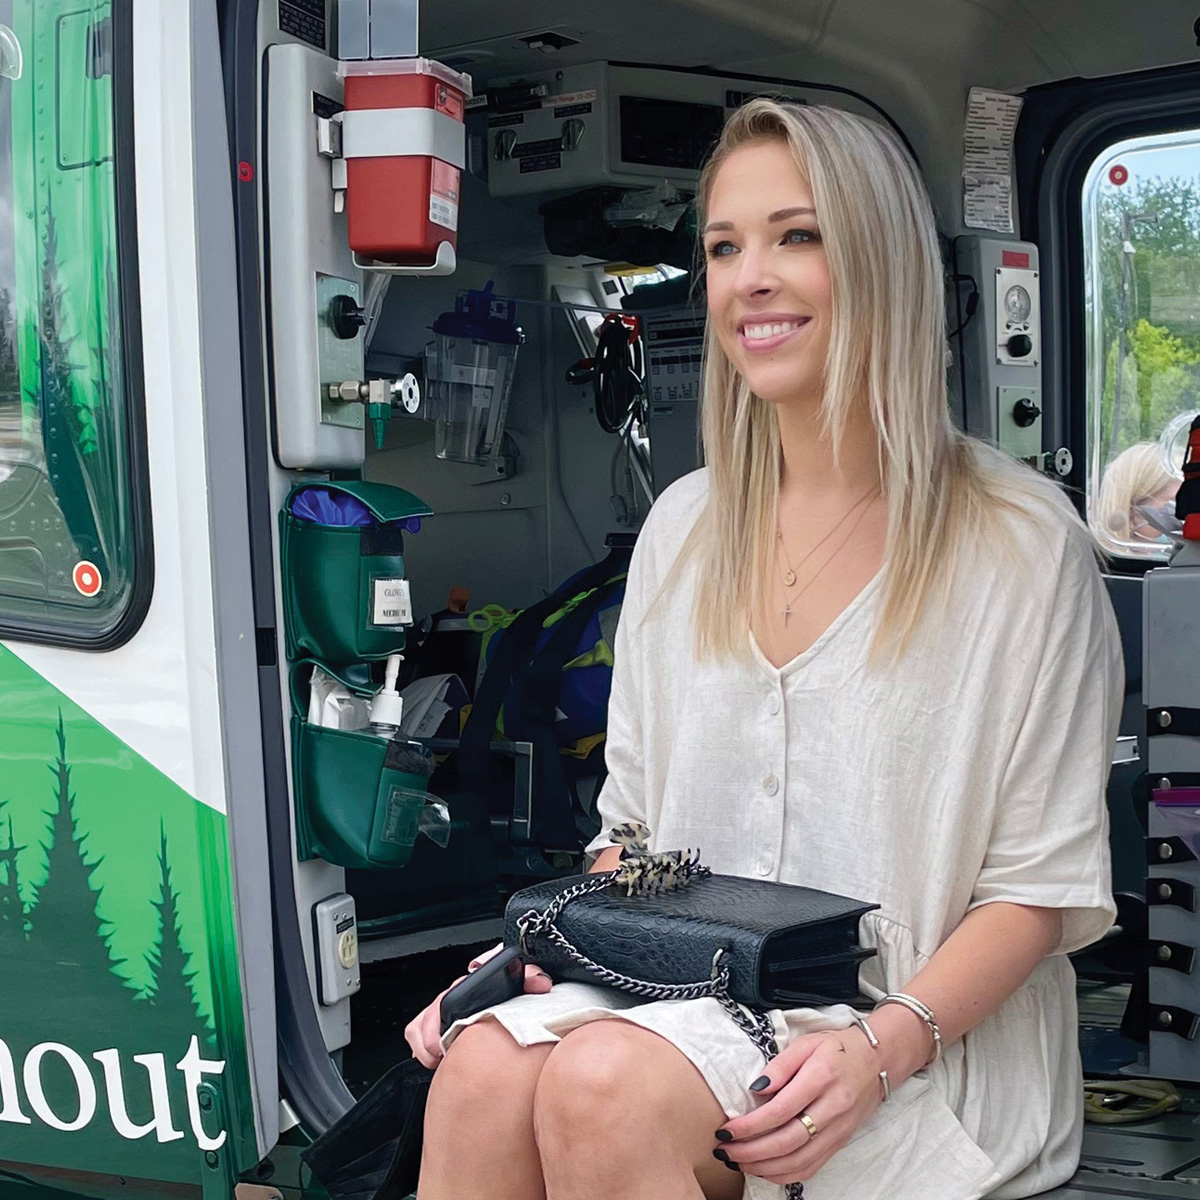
(832, 1076)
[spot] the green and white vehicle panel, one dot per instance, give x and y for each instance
(135, 954)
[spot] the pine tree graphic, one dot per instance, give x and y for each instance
(68, 419)
(171, 991)
(12, 910)
(66, 928)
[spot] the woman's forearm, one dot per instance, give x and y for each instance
(979, 966)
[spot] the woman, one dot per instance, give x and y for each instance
(858, 652)
(1136, 481)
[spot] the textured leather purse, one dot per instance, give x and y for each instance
(768, 944)
(679, 932)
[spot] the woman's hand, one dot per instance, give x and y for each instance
(833, 1077)
(424, 1032)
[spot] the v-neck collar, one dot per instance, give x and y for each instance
(830, 632)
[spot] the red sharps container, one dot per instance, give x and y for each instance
(404, 144)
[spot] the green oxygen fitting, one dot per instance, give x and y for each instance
(379, 414)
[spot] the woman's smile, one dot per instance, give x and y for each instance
(763, 332)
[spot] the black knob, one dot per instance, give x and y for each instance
(1019, 345)
(345, 317)
(1025, 412)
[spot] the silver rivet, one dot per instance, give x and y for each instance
(1165, 1018)
(1164, 784)
(1164, 954)
(1166, 850)
(506, 499)
(1164, 891)
(1164, 719)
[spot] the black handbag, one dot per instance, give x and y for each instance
(769, 945)
(374, 1151)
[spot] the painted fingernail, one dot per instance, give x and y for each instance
(723, 1135)
(761, 1082)
(720, 1154)
(733, 1166)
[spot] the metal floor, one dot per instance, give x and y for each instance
(1159, 1160)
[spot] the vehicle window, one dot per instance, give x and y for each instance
(66, 500)
(1141, 226)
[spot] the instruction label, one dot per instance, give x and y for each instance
(443, 195)
(304, 19)
(988, 132)
(391, 602)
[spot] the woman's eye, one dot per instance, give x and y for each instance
(797, 237)
(720, 249)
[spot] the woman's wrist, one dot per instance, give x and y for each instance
(904, 1041)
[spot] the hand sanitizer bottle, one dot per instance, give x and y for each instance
(387, 707)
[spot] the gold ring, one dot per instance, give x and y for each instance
(809, 1124)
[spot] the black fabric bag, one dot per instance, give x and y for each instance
(374, 1151)
(779, 944)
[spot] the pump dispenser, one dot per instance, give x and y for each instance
(387, 706)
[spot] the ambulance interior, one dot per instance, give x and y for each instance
(1061, 145)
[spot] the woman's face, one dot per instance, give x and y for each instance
(770, 300)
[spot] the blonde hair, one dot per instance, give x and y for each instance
(887, 344)
(1134, 475)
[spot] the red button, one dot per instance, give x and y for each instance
(86, 578)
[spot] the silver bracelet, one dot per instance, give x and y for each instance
(923, 1011)
(873, 1041)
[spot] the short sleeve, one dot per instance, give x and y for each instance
(1049, 845)
(623, 796)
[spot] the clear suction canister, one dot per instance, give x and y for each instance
(468, 376)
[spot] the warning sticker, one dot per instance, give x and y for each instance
(540, 162)
(569, 98)
(448, 101)
(304, 19)
(391, 602)
(443, 195)
(988, 135)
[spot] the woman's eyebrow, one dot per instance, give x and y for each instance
(784, 214)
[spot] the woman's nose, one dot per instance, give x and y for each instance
(755, 277)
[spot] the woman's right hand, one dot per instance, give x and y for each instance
(424, 1032)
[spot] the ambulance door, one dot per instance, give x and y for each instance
(137, 1038)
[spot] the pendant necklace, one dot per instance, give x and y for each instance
(789, 578)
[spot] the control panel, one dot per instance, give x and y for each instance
(674, 348)
(1002, 348)
(596, 124)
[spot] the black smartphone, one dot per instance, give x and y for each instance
(499, 979)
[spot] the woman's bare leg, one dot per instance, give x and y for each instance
(621, 1114)
(479, 1120)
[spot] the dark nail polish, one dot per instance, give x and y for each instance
(723, 1135)
(721, 1155)
(761, 1082)
(733, 1166)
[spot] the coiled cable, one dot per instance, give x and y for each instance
(617, 382)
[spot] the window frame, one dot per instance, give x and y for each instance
(66, 632)
(1064, 128)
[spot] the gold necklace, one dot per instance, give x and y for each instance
(787, 604)
(789, 576)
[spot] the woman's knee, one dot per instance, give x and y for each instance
(598, 1080)
(485, 1080)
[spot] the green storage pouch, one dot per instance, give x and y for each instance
(357, 805)
(345, 598)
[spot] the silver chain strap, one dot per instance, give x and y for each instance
(755, 1023)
